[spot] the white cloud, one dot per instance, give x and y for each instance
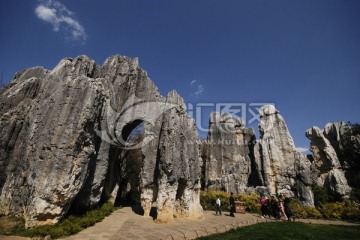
(302, 149)
(45, 13)
(196, 88)
(200, 89)
(60, 17)
(193, 82)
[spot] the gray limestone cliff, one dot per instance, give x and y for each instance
(280, 166)
(330, 172)
(227, 154)
(64, 142)
(236, 162)
(82, 134)
(180, 168)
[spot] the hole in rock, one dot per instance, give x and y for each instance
(129, 163)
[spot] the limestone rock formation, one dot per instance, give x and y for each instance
(180, 168)
(346, 144)
(272, 166)
(227, 154)
(330, 171)
(334, 132)
(64, 133)
(278, 164)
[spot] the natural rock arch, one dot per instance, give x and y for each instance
(66, 161)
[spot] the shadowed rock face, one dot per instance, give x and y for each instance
(63, 133)
(330, 172)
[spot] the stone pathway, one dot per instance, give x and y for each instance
(124, 224)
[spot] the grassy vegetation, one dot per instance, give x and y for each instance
(287, 231)
(68, 226)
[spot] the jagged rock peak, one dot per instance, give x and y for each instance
(335, 129)
(34, 72)
(267, 110)
(324, 154)
(120, 65)
(330, 173)
(226, 120)
(62, 136)
(273, 126)
(79, 66)
(277, 162)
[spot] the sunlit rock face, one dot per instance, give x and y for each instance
(64, 141)
(280, 166)
(227, 154)
(235, 161)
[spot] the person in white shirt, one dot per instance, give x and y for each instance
(217, 206)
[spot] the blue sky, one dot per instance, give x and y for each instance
(303, 56)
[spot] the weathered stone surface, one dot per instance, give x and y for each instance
(63, 134)
(330, 172)
(272, 166)
(227, 151)
(337, 134)
(179, 165)
(278, 164)
(334, 132)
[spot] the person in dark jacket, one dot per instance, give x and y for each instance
(274, 206)
(232, 205)
(264, 204)
(288, 210)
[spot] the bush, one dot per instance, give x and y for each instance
(251, 202)
(207, 200)
(324, 195)
(301, 211)
(71, 225)
(331, 210)
(351, 211)
(340, 210)
(355, 195)
(346, 210)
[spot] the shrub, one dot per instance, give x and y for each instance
(324, 195)
(355, 195)
(351, 211)
(53, 231)
(331, 210)
(251, 202)
(301, 211)
(207, 200)
(71, 225)
(347, 210)
(340, 210)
